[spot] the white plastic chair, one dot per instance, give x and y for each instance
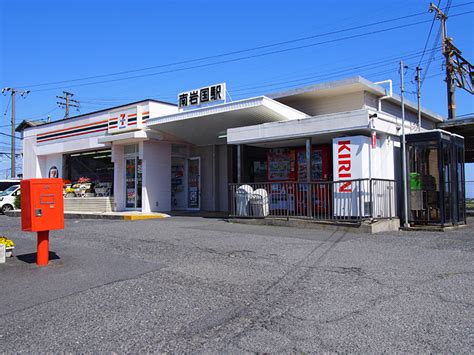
(242, 198)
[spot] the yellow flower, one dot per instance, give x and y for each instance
(8, 242)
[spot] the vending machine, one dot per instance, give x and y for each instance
(281, 165)
(320, 172)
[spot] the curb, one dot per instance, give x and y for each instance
(363, 228)
(75, 215)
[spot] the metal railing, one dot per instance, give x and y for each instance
(348, 200)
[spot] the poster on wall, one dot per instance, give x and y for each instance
(53, 172)
(130, 196)
(317, 165)
(281, 164)
(193, 197)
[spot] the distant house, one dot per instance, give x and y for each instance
(29, 123)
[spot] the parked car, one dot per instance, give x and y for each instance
(7, 198)
(5, 184)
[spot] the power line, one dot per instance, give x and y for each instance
(250, 56)
(41, 115)
(249, 89)
(322, 77)
(238, 51)
(8, 105)
(429, 35)
(91, 103)
(370, 63)
(375, 64)
(9, 135)
(436, 42)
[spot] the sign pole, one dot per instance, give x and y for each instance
(404, 155)
(42, 251)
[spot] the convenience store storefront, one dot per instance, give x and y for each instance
(156, 156)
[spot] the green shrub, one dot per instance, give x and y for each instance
(17, 203)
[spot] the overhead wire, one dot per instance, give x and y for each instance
(243, 58)
(429, 35)
(437, 40)
(339, 70)
(305, 38)
(8, 105)
(9, 135)
(322, 77)
(239, 58)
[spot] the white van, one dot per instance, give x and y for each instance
(7, 198)
(5, 184)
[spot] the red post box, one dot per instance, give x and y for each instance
(42, 210)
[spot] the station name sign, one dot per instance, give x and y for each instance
(203, 96)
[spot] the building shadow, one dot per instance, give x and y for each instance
(31, 257)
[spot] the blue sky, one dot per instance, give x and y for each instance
(48, 41)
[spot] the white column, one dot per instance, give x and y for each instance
(119, 177)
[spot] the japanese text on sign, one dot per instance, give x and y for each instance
(202, 96)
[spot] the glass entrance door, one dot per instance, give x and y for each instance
(194, 183)
(133, 183)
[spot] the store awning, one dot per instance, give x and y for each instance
(129, 137)
(209, 125)
(323, 128)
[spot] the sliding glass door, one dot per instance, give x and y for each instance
(133, 183)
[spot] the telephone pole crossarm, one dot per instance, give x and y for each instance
(67, 102)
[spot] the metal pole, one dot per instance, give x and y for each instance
(418, 95)
(13, 152)
(404, 157)
(67, 104)
(239, 163)
(308, 176)
(42, 248)
(447, 52)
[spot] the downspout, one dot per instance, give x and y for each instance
(372, 128)
(386, 96)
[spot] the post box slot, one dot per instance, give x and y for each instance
(46, 199)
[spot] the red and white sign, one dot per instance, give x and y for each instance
(124, 120)
(344, 163)
(373, 139)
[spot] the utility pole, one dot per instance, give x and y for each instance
(67, 102)
(13, 93)
(418, 94)
(404, 155)
(459, 72)
(440, 15)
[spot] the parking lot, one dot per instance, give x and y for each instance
(189, 284)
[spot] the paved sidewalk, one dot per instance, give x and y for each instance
(191, 284)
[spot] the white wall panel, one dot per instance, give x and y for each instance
(156, 191)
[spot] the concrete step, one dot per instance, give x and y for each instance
(88, 204)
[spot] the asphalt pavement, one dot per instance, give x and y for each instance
(190, 284)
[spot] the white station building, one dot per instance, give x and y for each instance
(157, 156)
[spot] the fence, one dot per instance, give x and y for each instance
(348, 200)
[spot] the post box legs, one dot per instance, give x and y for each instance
(42, 251)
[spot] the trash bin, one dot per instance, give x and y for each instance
(242, 198)
(259, 203)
